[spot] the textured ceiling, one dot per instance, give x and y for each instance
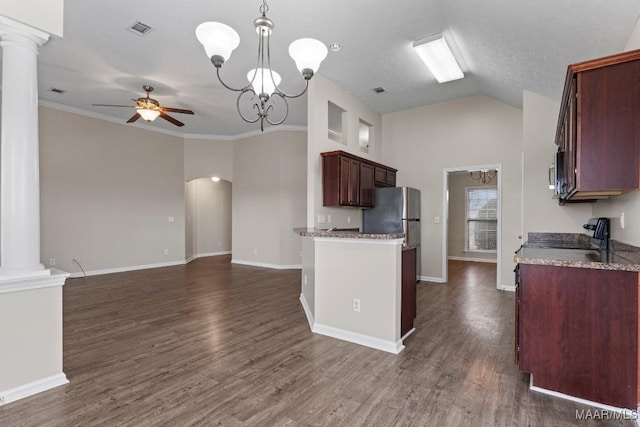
(506, 46)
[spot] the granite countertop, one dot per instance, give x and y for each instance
(345, 234)
(577, 251)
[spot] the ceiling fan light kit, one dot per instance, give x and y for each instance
(219, 41)
(149, 109)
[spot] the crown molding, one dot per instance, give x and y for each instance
(99, 116)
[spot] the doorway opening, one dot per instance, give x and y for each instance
(472, 209)
(207, 218)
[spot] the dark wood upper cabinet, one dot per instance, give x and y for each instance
(599, 128)
(366, 185)
(349, 180)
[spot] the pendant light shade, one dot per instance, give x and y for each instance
(148, 114)
(217, 38)
(308, 54)
(261, 76)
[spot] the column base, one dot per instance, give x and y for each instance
(24, 281)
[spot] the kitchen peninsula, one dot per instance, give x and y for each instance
(352, 286)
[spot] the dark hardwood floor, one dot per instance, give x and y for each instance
(213, 343)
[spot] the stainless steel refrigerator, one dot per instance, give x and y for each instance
(396, 210)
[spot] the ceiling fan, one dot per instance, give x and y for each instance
(149, 109)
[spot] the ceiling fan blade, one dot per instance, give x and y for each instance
(135, 117)
(171, 119)
(176, 110)
(112, 105)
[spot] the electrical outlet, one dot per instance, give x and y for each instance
(622, 220)
(348, 220)
(166, 251)
(305, 280)
(321, 219)
(329, 219)
(52, 261)
(356, 305)
(172, 219)
(437, 220)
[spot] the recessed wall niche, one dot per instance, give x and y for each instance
(337, 123)
(364, 135)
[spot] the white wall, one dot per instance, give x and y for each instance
(542, 213)
(464, 132)
(629, 203)
(107, 192)
(268, 198)
(45, 15)
(321, 91)
(208, 157)
(208, 217)
(457, 239)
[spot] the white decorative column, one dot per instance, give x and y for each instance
(30, 296)
(19, 156)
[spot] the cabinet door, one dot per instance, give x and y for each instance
(391, 178)
(380, 176)
(349, 182)
(570, 140)
(579, 332)
(408, 309)
(517, 316)
(366, 185)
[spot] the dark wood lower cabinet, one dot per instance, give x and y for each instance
(408, 291)
(578, 332)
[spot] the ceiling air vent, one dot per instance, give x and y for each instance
(139, 28)
(379, 90)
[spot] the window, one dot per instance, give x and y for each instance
(482, 219)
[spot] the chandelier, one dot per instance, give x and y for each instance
(484, 176)
(262, 91)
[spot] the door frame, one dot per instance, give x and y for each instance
(445, 217)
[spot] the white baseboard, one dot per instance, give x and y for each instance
(431, 279)
(129, 268)
(472, 259)
(356, 338)
(206, 254)
(407, 334)
(29, 389)
(307, 310)
(508, 288)
(266, 265)
(628, 414)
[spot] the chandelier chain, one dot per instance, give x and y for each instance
(264, 8)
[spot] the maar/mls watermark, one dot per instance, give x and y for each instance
(605, 414)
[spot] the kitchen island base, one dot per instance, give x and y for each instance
(352, 289)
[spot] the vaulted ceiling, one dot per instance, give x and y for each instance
(506, 46)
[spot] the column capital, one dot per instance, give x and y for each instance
(11, 30)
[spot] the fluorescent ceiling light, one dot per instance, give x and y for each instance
(438, 57)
